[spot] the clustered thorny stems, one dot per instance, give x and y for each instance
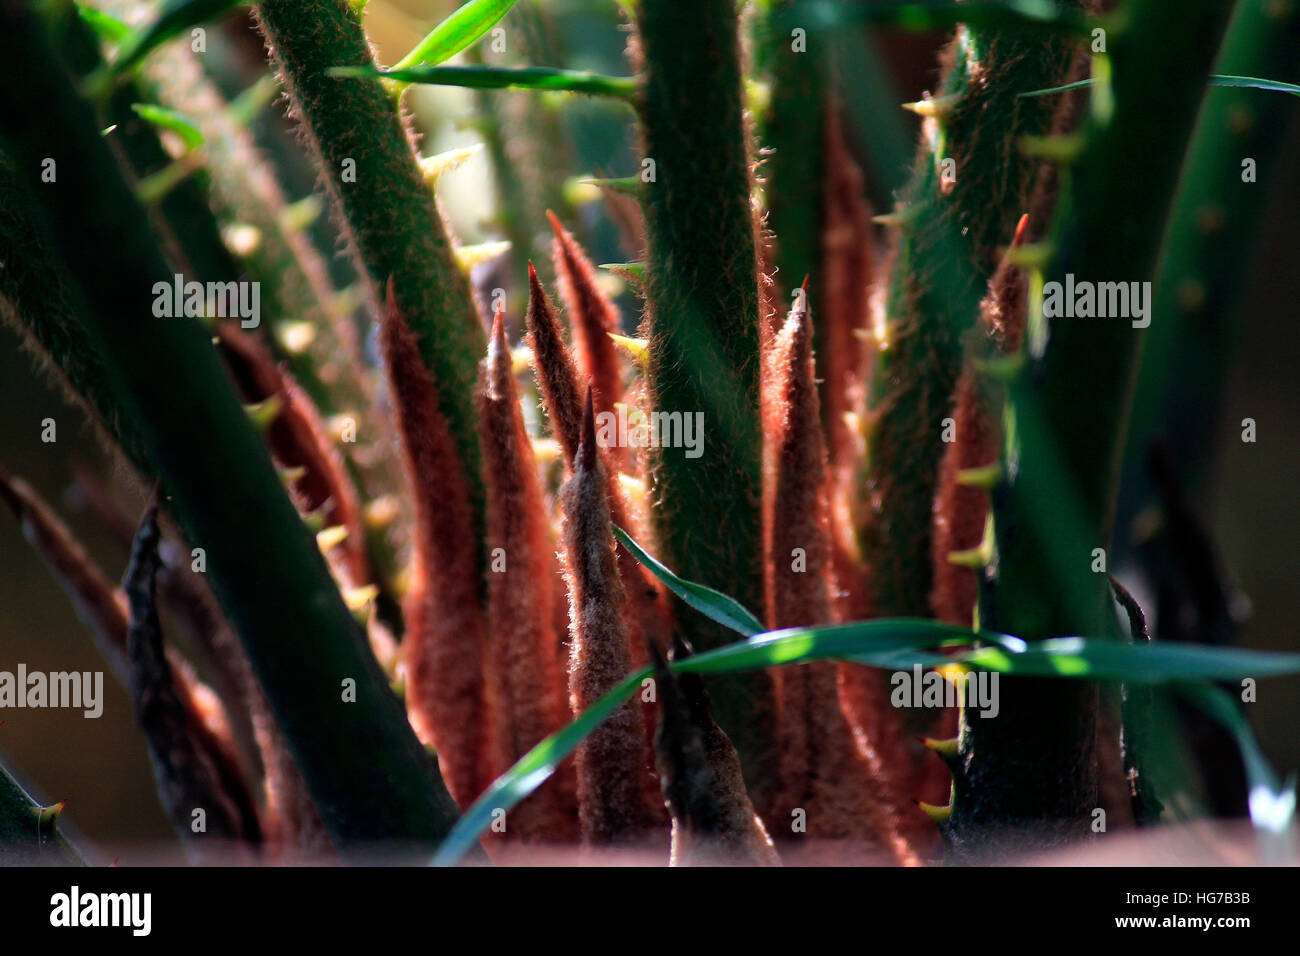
(825, 491)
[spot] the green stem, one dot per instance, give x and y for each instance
(299, 635)
(702, 323)
(369, 168)
(945, 252)
(28, 837)
(1030, 773)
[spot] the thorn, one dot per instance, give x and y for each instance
(980, 556)
(903, 217)
(292, 475)
(49, 814)
(1004, 368)
(936, 107)
(632, 271)
(939, 815)
(1061, 148)
(626, 185)
(262, 413)
(432, 167)
(1032, 255)
(380, 512)
(639, 349)
(944, 748)
(985, 476)
(299, 216)
(359, 599)
(331, 538)
(467, 257)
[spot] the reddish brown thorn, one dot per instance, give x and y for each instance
(443, 647)
(612, 773)
(556, 373)
(592, 316)
(798, 565)
(526, 691)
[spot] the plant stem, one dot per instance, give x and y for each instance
(25, 838)
(702, 324)
(389, 215)
(1030, 772)
(369, 775)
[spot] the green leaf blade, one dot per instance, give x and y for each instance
(458, 31)
(713, 604)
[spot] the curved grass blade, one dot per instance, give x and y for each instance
(1275, 86)
(1102, 660)
(1216, 79)
(496, 78)
(175, 122)
(898, 643)
(921, 17)
(1272, 804)
(531, 771)
(884, 643)
(108, 28)
(467, 24)
(174, 18)
(713, 604)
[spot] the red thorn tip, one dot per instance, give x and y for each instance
(555, 223)
(499, 322)
(1021, 228)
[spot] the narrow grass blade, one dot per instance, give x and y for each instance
(1010, 14)
(713, 604)
(1275, 86)
(531, 771)
(1216, 79)
(494, 78)
(1272, 804)
(108, 28)
(1155, 663)
(174, 17)
(466, 25)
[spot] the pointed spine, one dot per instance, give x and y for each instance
(525, 683)
(823, 772)
(443, 647)
(592, 317)
(611, 763)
